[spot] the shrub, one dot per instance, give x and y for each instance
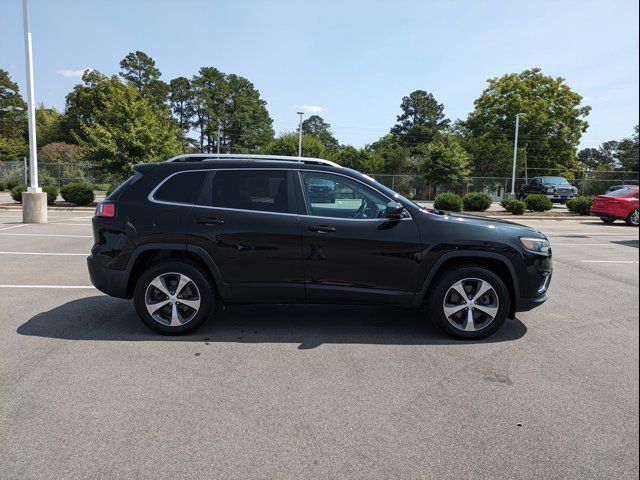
(12, 183)
(52, 193)
(580, 205)
(3, 186)
(17, 191)
(538, 203)
(78, 193)
(100, 187)
(449, 202)
(476, 202)
(514, 206)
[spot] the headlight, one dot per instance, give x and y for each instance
(536, 245)
(551, 190)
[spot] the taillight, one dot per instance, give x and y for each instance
(106, 210)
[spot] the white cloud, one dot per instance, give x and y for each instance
(310, 108)
(73, 73)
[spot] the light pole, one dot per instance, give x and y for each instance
(34, 201)
(515, 156)
(300, 134)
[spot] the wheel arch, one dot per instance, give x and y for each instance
(493, 261)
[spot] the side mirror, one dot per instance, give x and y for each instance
(394, 211)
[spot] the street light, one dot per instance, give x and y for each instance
(34, 200)
(515, 157)
(300, 134)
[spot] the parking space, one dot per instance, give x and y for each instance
(316, 391)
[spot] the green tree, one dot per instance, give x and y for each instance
(445, 161)
(422, 118)
(61, 152)
(395, 156)
(210, 91)
(552, 124)
(181, 103)
(362, 160)
(49, 125)
(126, 129)
(287, 144)
(628, 149)
(80, 103)
(140, 69)
(316, 126)
(13, 119)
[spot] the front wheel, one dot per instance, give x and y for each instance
(607, 220)
(469, 303)
(632, 218)
(174, 297)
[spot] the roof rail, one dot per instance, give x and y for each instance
(205, 157)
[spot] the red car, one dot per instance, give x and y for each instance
(618, 205)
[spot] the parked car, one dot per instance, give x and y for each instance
(322, 191)
(621, 204)
(180, 236)
(619, 187)
(558, 189)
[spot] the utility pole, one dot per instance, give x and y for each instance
(34, 201)
(515, 157)
(300, 134)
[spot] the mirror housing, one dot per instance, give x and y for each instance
(394, 211)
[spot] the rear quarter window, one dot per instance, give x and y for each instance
(182, 187)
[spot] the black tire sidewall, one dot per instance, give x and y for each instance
(607, 220)
(207, 296)
(446, 280)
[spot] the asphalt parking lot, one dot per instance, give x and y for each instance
(315, 392)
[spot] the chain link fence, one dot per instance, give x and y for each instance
(413, 186)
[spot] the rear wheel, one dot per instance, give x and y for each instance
(470, 302)
(607, 219)
(632, 218)
(174, 297)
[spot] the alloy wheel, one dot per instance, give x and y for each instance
(634, 218)
(471, 304)
(172, 299)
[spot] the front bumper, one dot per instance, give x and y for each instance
(561, 197)
(107, 280)
(526, 304)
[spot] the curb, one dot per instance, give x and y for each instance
(52, 209)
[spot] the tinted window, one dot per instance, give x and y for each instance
(556, 180)
(623, 192)
(181, 188)
(261, 190)
(328, 195)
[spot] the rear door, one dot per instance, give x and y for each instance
(351, 252)
(246, 219)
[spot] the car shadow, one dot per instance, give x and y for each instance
(110, 319)
(627, 243)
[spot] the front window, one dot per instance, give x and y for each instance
(328, 195)
(556, 180)
(259, 190)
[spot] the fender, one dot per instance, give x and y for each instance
(417, 301)
(222, 287)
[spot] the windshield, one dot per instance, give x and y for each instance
(555, 180)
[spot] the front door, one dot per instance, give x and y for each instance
(248, 223)
(350, 251)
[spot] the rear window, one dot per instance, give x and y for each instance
(123, 186)
(182, 187)
(623, 192)
(259, 190)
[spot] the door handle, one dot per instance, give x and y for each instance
(321, 229)
(209, 221)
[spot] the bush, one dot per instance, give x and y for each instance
(3, 186)
(449, 202)
(12, 183)
(514, 206)
(17, 191)
(538, 203)
(476, 202)
(78, 193)
(52, 193)
(580, 205)
(100, 187)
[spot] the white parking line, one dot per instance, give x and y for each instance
(16, 226)
(44, 253)
(629, 262)
(48, 286)
(44, 235)
(554, 244)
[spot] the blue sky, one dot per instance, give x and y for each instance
(352, 61)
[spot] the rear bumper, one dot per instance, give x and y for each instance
(107, 280)
(595, 213)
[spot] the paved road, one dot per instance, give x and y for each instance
(316, 392)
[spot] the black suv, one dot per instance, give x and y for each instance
(179, 236)
(558, 189)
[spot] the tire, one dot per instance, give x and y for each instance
(444, 294)
(521, 197)
(632, 218)
(156, 289)
(607, 220)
